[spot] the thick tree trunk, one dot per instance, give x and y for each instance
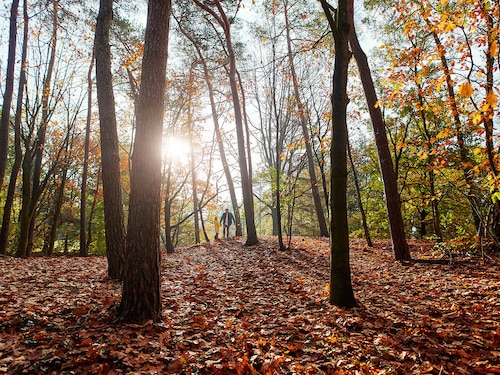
(9, 91)
(393, 203)
(141, 299)
(323, 230)
(18, 153)
(110, 151)
(341, 292)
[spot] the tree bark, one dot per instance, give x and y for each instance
(18, 153)
(393, 203)
(9, 91)
(323, 230)
(341, 292)
(358, 196)
(57, 210)
(218, 133)
(194, 184)
(141, 299)
(84, 250)
(110, 152)
(246, 185)
(466, 166)
(32, 164)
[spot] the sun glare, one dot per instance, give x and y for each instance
(176, 149)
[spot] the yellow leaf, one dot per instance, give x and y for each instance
(465, 90)
(494, 48)
(476, 117)
(491, 99)
(422, 155)
(450, 26)
(477, 150)
(441, 80)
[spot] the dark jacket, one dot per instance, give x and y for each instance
(230, 219)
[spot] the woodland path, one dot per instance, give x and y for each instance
(231, 309)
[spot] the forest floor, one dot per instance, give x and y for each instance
(231, 309)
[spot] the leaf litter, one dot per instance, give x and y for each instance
(231, 309)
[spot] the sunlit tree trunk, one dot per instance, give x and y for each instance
(9, 90)
(246, 185)
(393, 202)
(323, 230)
(194, 184)
(220, 143)
(110, 152)
(141, 299)
(18, 153)
(341, 292)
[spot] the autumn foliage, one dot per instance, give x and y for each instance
(231, 309)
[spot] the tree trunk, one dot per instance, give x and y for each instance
(92, 210)
(25, 214)
(246, 185)
(141, 299)
(436, 216)
(36, 190)
(218, 133)
(488, 117)
(18, 153)
(57, 211)
(358, 196)
(393, 203)
(278, 150)
(9, 91)
(466, 166)
(194, 183)
(110, 152)
(169, 245)
(341, 292)
(323, 230)
(84, 250)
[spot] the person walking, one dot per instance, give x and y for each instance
(227, 219)
(217, 227)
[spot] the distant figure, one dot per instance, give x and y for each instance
(227, 219)
(217, 227)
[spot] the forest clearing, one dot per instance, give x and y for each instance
(235, 309)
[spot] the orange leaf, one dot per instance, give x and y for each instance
(465, 90)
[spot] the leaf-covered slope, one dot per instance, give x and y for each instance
(231, 309)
